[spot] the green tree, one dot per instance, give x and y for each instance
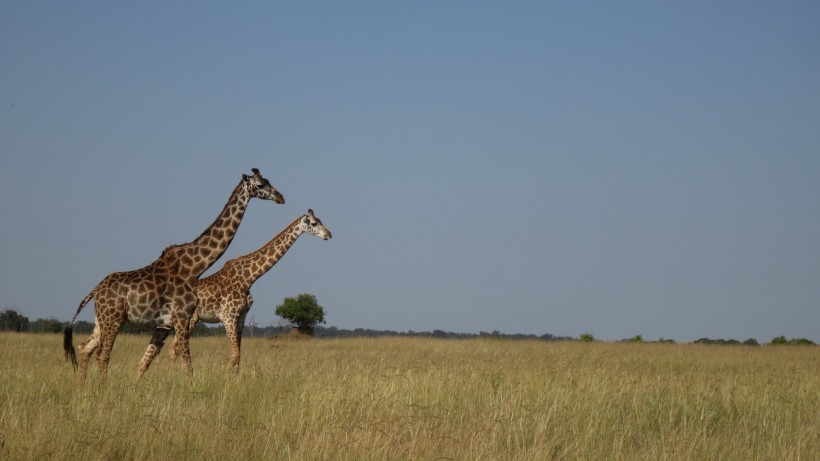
(303, 311)
(635, 339)
(11, 320)
(587, 338)
(779, 340)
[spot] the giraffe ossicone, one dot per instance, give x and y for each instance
(162, 295)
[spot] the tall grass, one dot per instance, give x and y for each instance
(412, 398)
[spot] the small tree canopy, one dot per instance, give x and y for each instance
(302, 311)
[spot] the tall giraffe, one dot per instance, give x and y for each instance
(162, 295)
(225, 295)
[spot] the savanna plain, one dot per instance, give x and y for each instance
(413, 398)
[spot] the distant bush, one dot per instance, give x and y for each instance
(635, 339)
(587, 338)
(781, 340)
(721, 341)
(46, 326)
(802, 342)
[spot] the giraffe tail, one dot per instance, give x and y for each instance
(68, 334)
(68, 346)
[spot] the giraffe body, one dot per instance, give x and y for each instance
(162, 295)
(225, 295)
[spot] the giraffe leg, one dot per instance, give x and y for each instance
(107, 336)
(157, 341)
(172, 351)
(182, 341)
(233, 329)
(191, 325)
(85, 350)
(235, 335)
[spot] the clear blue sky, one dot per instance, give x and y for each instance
(616, 168)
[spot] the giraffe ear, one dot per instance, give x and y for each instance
(256, 172)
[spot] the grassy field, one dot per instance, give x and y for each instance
(405, 398)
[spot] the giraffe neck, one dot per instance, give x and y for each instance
(196, 257)
(259, 262)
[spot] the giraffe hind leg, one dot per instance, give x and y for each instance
(157, 341)
(106, 343)
(85, 350)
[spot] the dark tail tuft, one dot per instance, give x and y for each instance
(68, 345)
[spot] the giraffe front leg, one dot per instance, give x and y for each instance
(182, 344)
(233, 330)
(174, 352)
(157, 341)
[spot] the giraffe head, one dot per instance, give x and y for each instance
(313, 226)
(260, 187)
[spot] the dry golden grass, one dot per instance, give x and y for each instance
(404, 398)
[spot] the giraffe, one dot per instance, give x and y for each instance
(225, 295)
(162, 295)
